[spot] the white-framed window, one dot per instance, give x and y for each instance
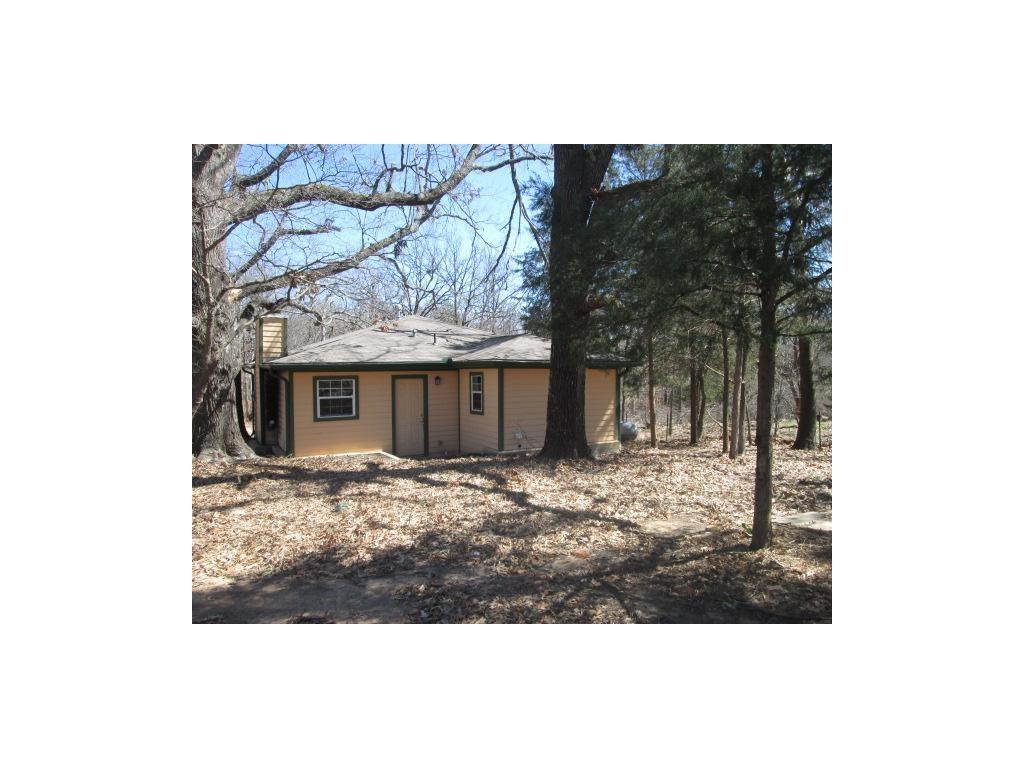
(336, 398)
(476, 393)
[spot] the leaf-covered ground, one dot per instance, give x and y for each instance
(643, 536)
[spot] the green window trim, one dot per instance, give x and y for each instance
(316, 398)
(483, 381)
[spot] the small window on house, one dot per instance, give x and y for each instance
(337, 398)
(476, 393)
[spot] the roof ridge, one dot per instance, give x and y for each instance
(449, 327)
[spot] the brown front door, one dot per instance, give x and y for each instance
(409, 418)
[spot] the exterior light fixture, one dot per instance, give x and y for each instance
(437, 381)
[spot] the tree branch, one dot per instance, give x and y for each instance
(275, 237)
(318, 192)
(804, 287)
(291, 277)
(252, 179)
(522, 210)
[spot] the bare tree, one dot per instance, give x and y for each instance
(259, 219)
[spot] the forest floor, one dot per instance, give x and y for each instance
(647, 535)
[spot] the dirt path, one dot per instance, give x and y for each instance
(296, 600)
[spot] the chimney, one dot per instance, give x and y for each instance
(271, 338)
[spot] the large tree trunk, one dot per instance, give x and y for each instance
(216, 345)
(762, 535)
(579, 173)
(737, 390)
(566, 435)
(807, 412)
(725, 391)
(651, 413)
(240, 407)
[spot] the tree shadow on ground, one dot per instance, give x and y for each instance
(459, 575)
(452, 577)
(332, 482)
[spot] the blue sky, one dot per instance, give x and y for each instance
(490, 209)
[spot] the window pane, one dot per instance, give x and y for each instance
(329, 387)
(348, 386)
(347, 406)
(478, 401)
(330, 407)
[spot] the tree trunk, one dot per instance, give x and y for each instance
(807, 413)
(725, 391)
(651, 414)
(216, 344)
(240, 408)
(762, 535)
(694, 395)
(579, 173)
(775, 414)
(741, 440)
(566, 436)
(703, 403)
(746, 416)
(737, 415)
(794, 389)
(671, 402)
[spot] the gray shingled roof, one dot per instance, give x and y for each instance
(419, 340)
(519, 348)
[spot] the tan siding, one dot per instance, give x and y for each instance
(452, 428)
(443, 401)
(526, 408)
(372, 430)
(479, 431)
(600, 399)
(273, 340)
(526, 401)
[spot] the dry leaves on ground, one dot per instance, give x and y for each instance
(527, 540)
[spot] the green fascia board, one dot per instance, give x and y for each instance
(361, 366)
(445, 366)
(530, 364)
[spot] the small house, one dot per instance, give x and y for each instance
(417, 387)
